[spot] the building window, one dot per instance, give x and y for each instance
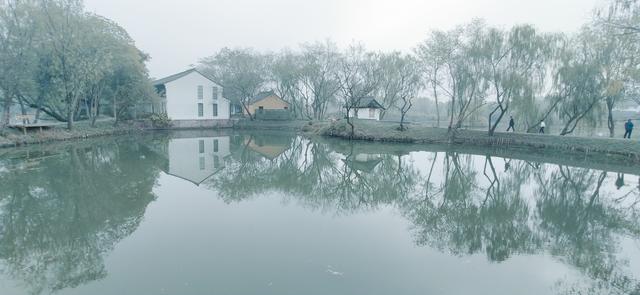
(216, 162)
(202, 163)
(215, 109)
(201, 147)
(200, 110)
(200, 92)
(215, 93)
(216, 147)
(372, 113)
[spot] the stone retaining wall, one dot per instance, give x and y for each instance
(201, 124)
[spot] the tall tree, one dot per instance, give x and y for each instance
(579, 84)
(240, 71)
(285, 72)
(409, 82)
(515, 68)
(358, 77)
(17, 59)
(319, 85)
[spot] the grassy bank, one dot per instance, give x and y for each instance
(417, 134)
(13, 137)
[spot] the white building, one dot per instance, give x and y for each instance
(367, 108)
(191, 99)
(197, 159)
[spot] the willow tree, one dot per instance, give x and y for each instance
(515, 68)
(455, 64)
(579, 83)
(463, 75)
(433, 54)
(617, 52)
(391, 74)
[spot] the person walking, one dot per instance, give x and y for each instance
(628, 128)
(542, 126)
(512, 125)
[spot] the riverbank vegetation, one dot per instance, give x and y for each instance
(421, 134)
(67, 64)
(475, 73)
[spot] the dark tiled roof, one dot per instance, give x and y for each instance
(368, 102)
(178, 76)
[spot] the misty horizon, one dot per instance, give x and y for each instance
(176, 40)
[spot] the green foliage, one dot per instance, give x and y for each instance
(66, 62)
(160, 120)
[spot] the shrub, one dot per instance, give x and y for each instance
(160, 120)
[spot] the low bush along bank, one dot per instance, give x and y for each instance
(388, 132)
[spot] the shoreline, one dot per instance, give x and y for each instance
(14, 139)
(616, 149)
(416, 134)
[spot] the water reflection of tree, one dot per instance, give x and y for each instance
(318, 176)
(583, 228)
(462, 204)
(466, 218)
(61, 212)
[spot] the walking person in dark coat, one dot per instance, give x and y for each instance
(628, 128)
(512, 125)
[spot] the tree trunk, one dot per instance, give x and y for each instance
(70, 114)
(435, 97)
(70, 120)
(350, 123)
(6, 112)
(246, 108)
(453, 112)
(610, 121)
(115, 110)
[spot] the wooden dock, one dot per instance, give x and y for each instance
(26, 125)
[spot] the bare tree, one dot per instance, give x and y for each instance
(358, 77)
(409, 84)
(319, 85)
(240, 71)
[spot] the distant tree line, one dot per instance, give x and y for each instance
(66, 63)
(473, 72)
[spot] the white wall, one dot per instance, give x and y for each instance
(185, 157)
(182, 99)
(365, 114)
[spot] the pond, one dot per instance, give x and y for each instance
(278, 213)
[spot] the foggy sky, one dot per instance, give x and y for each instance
(177, 33)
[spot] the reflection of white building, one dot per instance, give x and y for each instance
(364, 162)
(197, 159)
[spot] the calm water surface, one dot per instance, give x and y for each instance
(274, 213)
